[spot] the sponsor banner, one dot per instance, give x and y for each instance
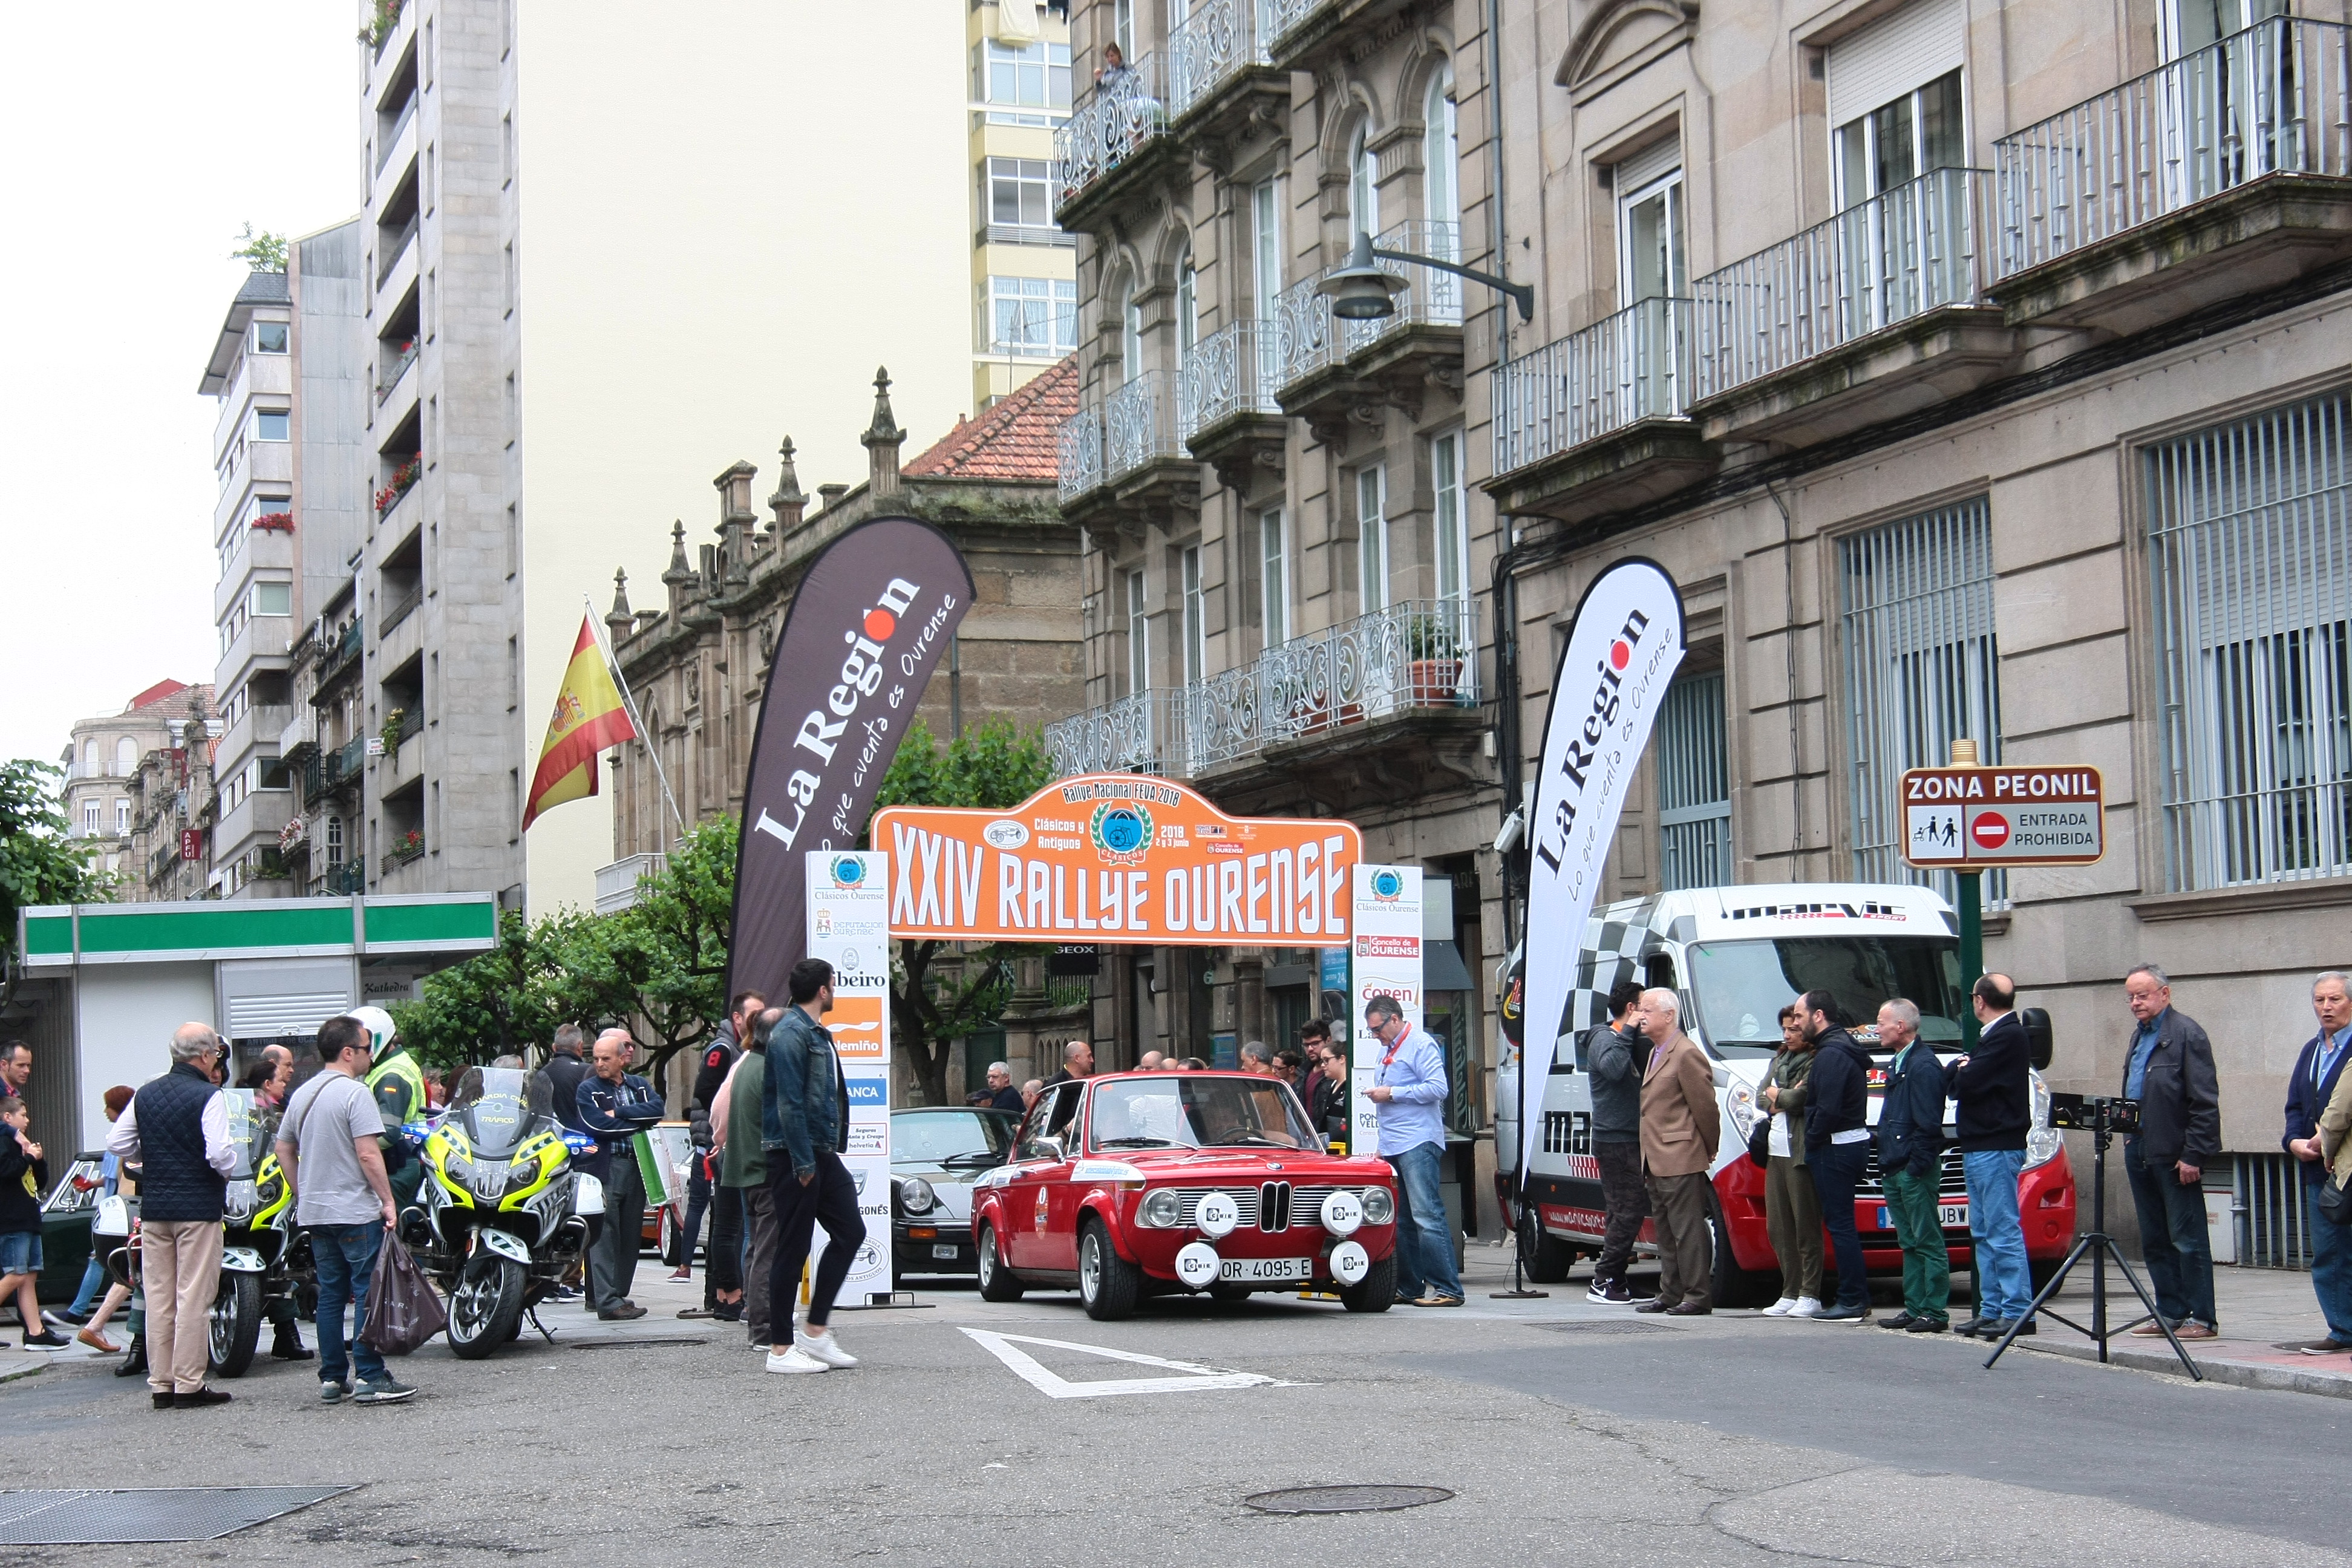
(1386, 959)
(871, 619)
(1960, 817)
(848, 895)
(1115, 857)
(1622, 653)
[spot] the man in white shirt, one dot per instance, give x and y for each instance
(176, 1130)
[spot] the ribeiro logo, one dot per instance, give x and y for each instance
(1585, 745)
(861, 677)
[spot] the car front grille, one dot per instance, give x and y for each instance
(1951, 1179)
(1271, 1207)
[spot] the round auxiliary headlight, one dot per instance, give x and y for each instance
(1351, 1262)
(1380, 1205)
(915, 1195)
(1217, 1215)
(1160, 1208)
(1342, 1212)
(1197, 1265)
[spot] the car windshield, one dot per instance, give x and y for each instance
(500, 1107)
(1191, 1112)
(248, 1132)
(939, 1137)
(1741, 986)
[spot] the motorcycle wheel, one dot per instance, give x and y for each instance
(484, 1306)
(234, 1324)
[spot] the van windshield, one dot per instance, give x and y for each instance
(1740, 987)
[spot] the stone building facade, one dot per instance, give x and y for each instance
(131, 785)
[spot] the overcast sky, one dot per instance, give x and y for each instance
(140, 139)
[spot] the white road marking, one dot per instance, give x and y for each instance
(1194, 1377)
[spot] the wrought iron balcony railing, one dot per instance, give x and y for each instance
(2274, 99)
(1433, 297)
(1913, 249)
(1081, 453)
(1276, 18)
(1118, 119)
(1218, 38)
(1233, 369)
(1309, 335)
(1143, 734)
(1139, 426)
(1623, 368)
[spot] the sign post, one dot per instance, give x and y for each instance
(1386, 956)
(848, 897)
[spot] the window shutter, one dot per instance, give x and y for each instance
(1894, 55)
(1654, 162)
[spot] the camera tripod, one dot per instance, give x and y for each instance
(2101, 1117)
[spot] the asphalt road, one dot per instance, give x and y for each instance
(1568, 1435)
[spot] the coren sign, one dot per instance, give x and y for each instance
(1959, 817)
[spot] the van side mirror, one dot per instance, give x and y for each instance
(2038, 1044)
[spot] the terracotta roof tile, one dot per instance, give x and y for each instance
(1019, 438)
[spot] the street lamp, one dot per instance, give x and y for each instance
(1360, 292)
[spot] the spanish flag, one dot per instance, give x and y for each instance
(589, 718)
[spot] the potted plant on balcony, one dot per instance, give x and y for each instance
(1433, 670)
(274, 522)
(391, 734)
(402, 479)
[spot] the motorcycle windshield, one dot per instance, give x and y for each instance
(247, 1133)
(499, 1108)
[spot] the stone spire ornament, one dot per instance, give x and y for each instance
(882, 440)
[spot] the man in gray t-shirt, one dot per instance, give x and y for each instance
(329, 1142)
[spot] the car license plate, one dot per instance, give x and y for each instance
(1254, 1269)
(944, 1249)
(1952, 1216)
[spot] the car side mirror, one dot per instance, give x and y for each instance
(1048, 1147)
(2038, 1045)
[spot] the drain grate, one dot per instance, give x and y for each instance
(1345, 1499)
(1614, 1326)
(95, 1518)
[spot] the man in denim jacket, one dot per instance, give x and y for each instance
(804, 1128)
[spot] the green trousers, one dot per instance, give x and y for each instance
(1927, 1262)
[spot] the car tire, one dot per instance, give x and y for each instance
(1546, 1258)
(997, 1283)
(1230, 1292)
(1109, 1285)
(1376, 1291)
(1730, 1284)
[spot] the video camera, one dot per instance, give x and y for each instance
(2094, 1113)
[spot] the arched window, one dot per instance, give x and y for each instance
(1188, 303)
(1364, 188)
(126, 757)
(88, 758)
(1131, 334)
(1441, 164)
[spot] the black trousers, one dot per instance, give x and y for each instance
(722, 1266)
(1628, 1200)
(830, 1200)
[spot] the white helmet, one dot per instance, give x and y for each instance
(379, 1026)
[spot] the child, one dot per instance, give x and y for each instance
(23, 1175)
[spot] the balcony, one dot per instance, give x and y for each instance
(343, 877)
(1330, 367)
(1307, 35)
(1080, 469)
(616, 884)
(392, 250)
(401, 609)
(1598, 420)
(341, 657)
(411, 847)
(1878, 311)
(388, 378)
(1226, 408)
(1120, 131)
(392, 143)
(1144, 460)
(2225, 173)
(1219, 79)
(1143, 734)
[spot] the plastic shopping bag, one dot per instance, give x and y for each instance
(404, 1311)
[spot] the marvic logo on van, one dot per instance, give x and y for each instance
(1582, 747)
(861, 676)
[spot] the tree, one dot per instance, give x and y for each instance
(263, 252)
(40, 862)
(941, 991)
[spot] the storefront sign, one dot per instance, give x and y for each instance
(1385, 956)
(192, 844)
(1117, 858)
(1954, 819)
(848, 927)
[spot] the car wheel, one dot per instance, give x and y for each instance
(1732, 1286)
(1230, 1292)
(997, 1283)
(1109, 1285)
(1376, 1291)
(1546, 1258)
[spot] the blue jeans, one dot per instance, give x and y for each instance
(2004, 1286)
(1424, 1240)
(2172, 1238)
(345, 1255)
(2331, 1266)
(93, 1282)
(1836, 1169)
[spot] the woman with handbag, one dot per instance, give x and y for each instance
(1792, 1213)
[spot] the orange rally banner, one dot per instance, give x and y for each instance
(1117, 858)
(589, 718)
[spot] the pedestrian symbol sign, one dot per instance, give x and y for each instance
(1956, 819)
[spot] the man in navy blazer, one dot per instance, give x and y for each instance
(2169, 1068)
(2316, 1069)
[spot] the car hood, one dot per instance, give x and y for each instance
(953, 1188)
(1251, 1164)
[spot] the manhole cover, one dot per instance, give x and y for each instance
(1345, 1499)
(1626, 1326)
(91, 1518)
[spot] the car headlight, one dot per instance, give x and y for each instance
(916, 1196)
(1740, 1108)
(1380, 1205)
(2042, 1139)
(1159, 1209)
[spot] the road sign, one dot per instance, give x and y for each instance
(1962, 817)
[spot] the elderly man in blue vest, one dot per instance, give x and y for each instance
(177, 1128)
(1409, 1088)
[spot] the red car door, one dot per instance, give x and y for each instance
(1058, 1244)
(1043, 1167)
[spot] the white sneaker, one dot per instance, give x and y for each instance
(1782, 1308)
(796, 1360)
(1806, 1307)
(822, 1347)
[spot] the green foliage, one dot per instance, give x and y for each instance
(39, 863)
(263, 252)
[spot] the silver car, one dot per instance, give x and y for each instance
(935, 1153)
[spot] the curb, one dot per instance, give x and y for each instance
(11, 1371)
(2239, 1374)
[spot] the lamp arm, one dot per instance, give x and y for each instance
(1521, 294)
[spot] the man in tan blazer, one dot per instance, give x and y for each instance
(1681, 1126)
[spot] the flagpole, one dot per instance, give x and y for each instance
(629, 700)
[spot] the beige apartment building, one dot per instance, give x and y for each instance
(1023, 266)
(135, 779)
(1978, 372)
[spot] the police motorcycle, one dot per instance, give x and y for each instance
(501, 1215)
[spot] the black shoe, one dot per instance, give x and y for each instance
(163, 1400)
(1688, 1309)
(47, 1340)
(1842, 1315)
(1926, 1326)
(1654, 1304)
(78, 1320)
(1990, 1327)
(2027, 1328)
(727, 1314)
(1899, 1323)
(619, 1314)
(208, 1394)
(1974, 1326)
(135, 1361)
(292, 1349)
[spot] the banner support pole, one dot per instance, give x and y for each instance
(628, 700)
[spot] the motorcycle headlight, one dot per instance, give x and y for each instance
(240, 1201)
(1159, 1209)
(1740, 1108)
(2042, 1139)
(915, 1195)
(523, 1174)
(1380, 1205)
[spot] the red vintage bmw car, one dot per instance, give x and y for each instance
(1139, 1184)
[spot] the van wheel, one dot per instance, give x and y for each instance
(1732, 1286)
(1546, 1258)
(997, 1282)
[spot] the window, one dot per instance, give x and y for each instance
(1650, 256)
(274, 507)
(1265, 246)
(1922, 669)
(2191, 25)
(272, 424)
(126, 757)
(1019, 193)
(1451, 516)
(273, 598)
(90, 819)
(1139, 638)
(1196, 619)
(1274, 576)
(1035, 318)
(88, 758)
(425, 56)
(1363, 187)
(506, 27)
(272, 772)
(506, 151)
(269, 337)
(1372, 537)
(1441, 164)
(1028, 75)
(510, 278)
(1899, 141)
(1693, 787)
(334, 841)
(2248, 529)
(1122, 28)
(1130, 335)
(1188, 305)
(425, 184)
(122, 817)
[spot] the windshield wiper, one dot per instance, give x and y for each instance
(1258, 1137)
(1137, 1141)
(975, 1157)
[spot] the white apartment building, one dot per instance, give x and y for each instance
(1024, 268)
